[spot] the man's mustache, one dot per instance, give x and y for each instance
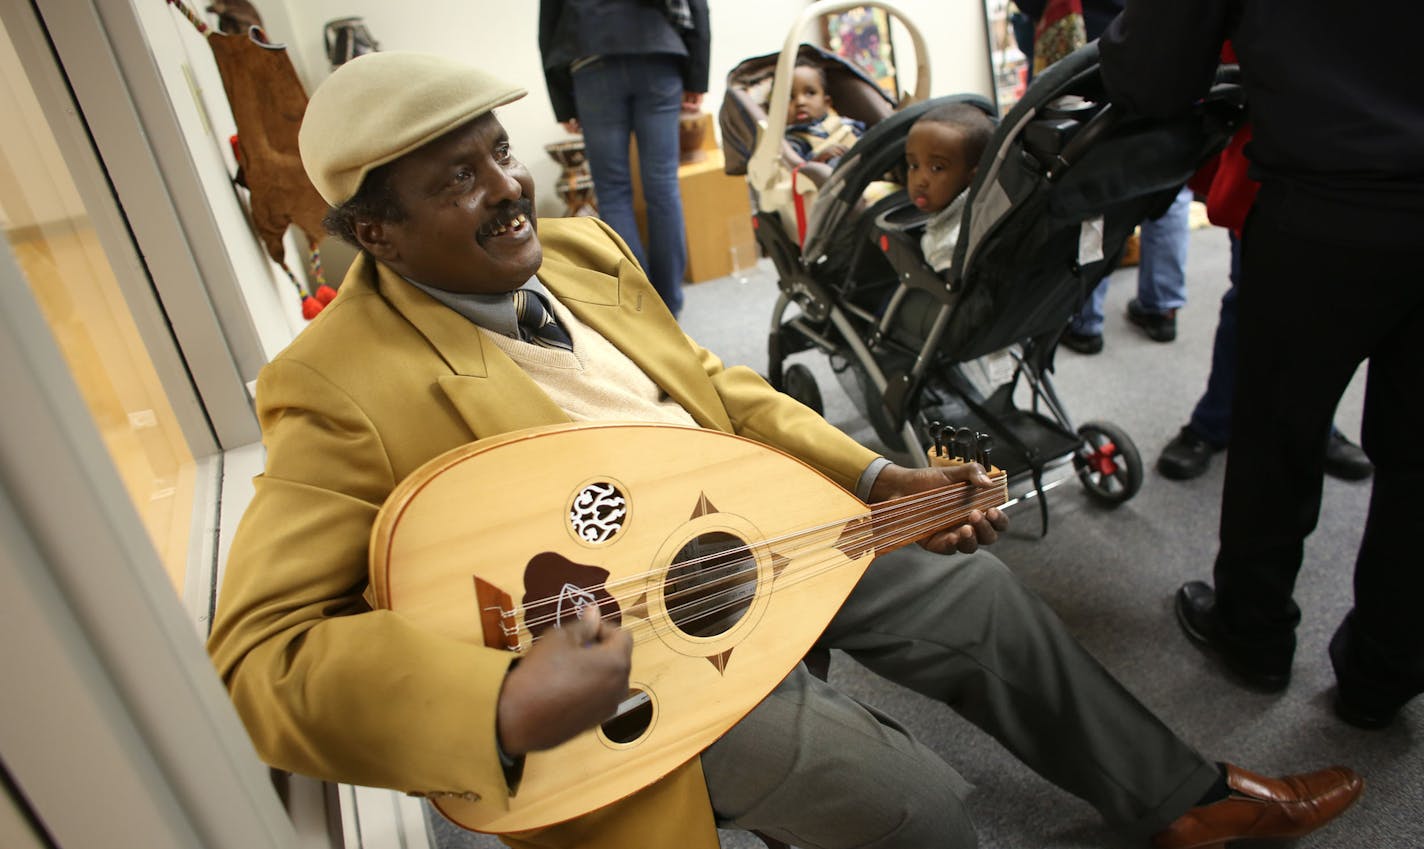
(506, 214)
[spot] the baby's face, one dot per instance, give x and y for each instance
(809, 101)
(936, 168)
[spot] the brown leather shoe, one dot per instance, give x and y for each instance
(1264, 807)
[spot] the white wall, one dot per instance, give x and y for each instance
(504, 39)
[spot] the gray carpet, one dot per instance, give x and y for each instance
(1110, 575)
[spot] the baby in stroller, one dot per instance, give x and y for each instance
(813, 128)
(942, 153)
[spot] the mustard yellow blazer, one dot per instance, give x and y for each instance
(383, 380)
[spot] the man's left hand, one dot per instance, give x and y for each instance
(982, 526)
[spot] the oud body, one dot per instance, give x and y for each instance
(723, 558)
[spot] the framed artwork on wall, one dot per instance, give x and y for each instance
(862, 37)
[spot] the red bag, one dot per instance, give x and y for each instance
(1232, 193)
(1229, 192)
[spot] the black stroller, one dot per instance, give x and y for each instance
(1063, 183)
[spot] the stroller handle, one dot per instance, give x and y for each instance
(762, 170)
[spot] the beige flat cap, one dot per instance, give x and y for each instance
(380, 106)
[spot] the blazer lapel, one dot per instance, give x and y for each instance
(488, 390)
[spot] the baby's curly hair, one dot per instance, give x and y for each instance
(805, 61)
(970, 120)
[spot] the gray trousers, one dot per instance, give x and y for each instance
(819, 770)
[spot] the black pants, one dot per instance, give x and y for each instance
(1310, 312)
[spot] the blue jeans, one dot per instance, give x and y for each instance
(618, 98)
(1161, 272)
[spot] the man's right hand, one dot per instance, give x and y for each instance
(570, 680)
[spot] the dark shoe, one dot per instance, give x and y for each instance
(1346, 460)
(1354, 709)
(1186, 456)
(1196, 613)
(1261, 807)
(1083, 343)
(1159, 326)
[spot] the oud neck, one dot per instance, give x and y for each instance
(911, 518)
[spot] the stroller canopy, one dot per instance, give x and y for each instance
(754, 120)
(745, 108)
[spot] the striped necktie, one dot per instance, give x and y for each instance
(536, 324)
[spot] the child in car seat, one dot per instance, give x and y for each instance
(815, 130)
(942, 153)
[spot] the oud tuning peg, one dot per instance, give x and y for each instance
(986, 446)
(936, 431)
(962, 443)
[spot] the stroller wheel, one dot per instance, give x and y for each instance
(1108, 463)
(798, 382)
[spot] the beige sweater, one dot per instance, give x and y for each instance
(594, 382)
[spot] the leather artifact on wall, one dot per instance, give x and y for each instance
(267, 103)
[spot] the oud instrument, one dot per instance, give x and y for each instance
(723, 558)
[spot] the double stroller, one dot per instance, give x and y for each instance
(1064, 181)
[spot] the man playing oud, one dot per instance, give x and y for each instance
(429, 347)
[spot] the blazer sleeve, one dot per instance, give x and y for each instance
(759, 412)
(325, 685)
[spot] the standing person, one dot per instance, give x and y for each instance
(1330, 266)
(1162, 263)
(619, 70)
(425, 350)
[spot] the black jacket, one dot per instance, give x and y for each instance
(1334, 94)
(573, 29)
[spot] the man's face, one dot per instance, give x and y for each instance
(936, 168)
(809, 101)
(469, 214)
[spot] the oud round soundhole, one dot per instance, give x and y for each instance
(631, 720)
(711, 583)
(598, 512)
